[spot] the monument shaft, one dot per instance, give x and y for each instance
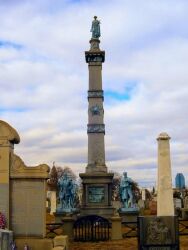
(165, 205)
(97, 182)
(96, 128)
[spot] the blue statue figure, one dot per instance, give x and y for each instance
(126, 193)
(95, 28)
(67, 193)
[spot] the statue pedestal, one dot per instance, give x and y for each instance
(97, 193)
(68, 222)
(116, 228)
(129, 214)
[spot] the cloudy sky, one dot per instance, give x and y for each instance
(44, 81)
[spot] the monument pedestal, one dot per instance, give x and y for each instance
(97, 193)
(67, 221)
(116, 228)
(128, 214)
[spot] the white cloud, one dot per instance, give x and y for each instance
(44, 83)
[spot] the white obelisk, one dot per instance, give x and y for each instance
(165, 205)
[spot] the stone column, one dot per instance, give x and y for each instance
(96, 128)
(97, 182)
(8, 136)
(165, 205)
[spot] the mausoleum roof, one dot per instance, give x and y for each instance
(7, 131)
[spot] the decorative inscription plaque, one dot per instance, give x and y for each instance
(28, 207)
(96, 194)
(158, 233)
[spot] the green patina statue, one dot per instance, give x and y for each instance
(95, 28)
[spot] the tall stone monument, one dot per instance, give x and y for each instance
(165, 204)
(161, 231)
(96, 180)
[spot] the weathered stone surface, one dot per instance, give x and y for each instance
(8, 132)
(4, 202)
(59, 248)
(60, 241)
(34, 244)
(116, 233)
(6, 238)
(158, 232)
(28, 205)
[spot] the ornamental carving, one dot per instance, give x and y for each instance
(158, 232)
(96, 128)
(96, 110)
(95, 94)
(20, 170)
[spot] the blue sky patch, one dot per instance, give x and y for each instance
(13, 110)
(125, 95)
(9, 44)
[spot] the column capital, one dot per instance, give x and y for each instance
(163, 136)
(95, 56)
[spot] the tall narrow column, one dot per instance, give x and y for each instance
(96, 128)
(97, 182)
(165, 205)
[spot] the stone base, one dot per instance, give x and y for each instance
(97, 193)
(116, 233)
(184, 213)
(128, 214)
(68, 223)
(34, 244)
(106, 212)
(158, 232)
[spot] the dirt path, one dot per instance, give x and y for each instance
(125, 244)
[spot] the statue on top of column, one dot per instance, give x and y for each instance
(95, 28)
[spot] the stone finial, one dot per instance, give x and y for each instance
(163, 136)
(7, 131)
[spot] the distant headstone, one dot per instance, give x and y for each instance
(6, 239)
(180, 181)
(177, 203)
(186, 202)
(153, 207)
(143, 194)
(141, 203)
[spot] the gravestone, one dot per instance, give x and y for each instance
(22, 189)
(161, 232)
(28, 199)
(6, 239)
(177, 203)
(8, 137)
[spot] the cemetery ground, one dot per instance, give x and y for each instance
(128, 244)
